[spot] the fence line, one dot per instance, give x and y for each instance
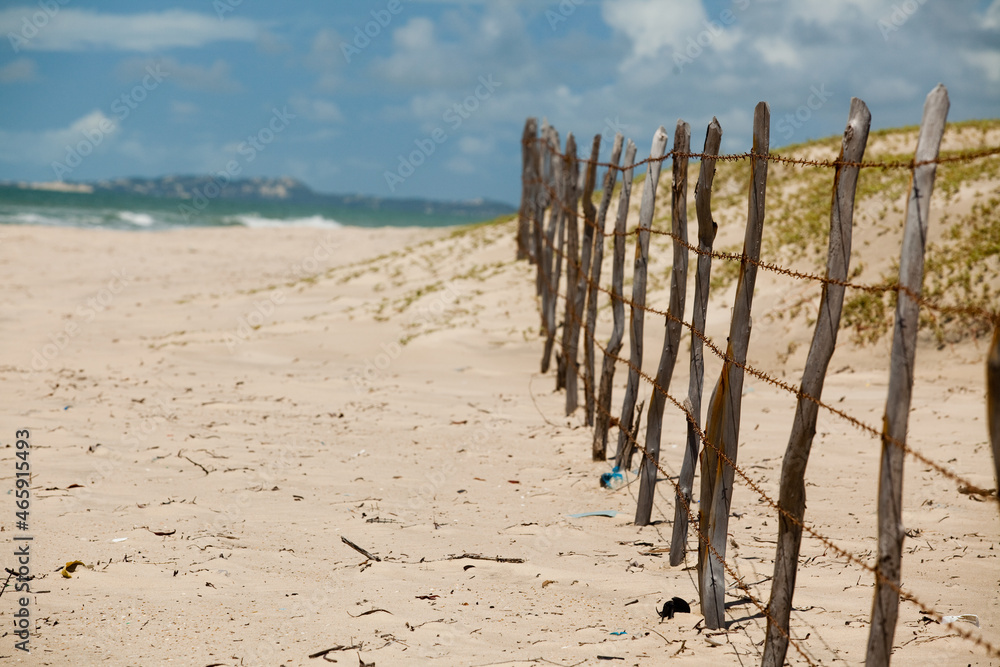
(827, 542)
(546, 253)
(812, 532)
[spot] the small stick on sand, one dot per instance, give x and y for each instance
(361, 551)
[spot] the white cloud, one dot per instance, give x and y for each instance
(653, 26)
(988, 61)
(42, 147)
(84, 30)
(319, 110)
(22, 69)
(213, 79)
(471, 145)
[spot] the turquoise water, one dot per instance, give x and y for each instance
(136, 212)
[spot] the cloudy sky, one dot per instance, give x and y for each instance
(428, 97)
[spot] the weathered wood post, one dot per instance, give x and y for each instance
(672, 326)
(614, 346)
(792, 497)
(706, 237)
(885, 606)
(636, 312)
(595, 277)
(553, 237)
(571, 178)
(993, 401)
(543, 178)
(582, 274)
(724, 415)
(528, 184)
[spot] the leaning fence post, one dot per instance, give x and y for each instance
(595, 277)
(706, 237)
(528, 178)
(582, 274)
(554, 259)
(543, 173)
(614, 346)
(624, 458)
(724, 415)
(648, 464)
(571, 176)
(885, 606)
(792, 497)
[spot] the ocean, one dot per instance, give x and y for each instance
(111, 210)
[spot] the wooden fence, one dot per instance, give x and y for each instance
(549, 235)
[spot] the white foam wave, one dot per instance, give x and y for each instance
(259, 222)
(138, 219)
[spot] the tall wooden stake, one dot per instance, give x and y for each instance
(792, 497)
(614, 346)
(582, 274)
(595, 277)
(554, 260)
(624, 458)
(724, 416)
(525, 246)
(673, 326)
(543, 178)
(571, 177)
(885, 606)
(706, 237)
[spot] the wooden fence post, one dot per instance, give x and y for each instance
(672, 326)
(554, 261)
(571, 178)
(724, 415)
(543, 177)
(993, 401)
(706, 237)
(582, 275)
(595, 278)
(792, 497)
(885, 606)
(636, 312)
(528, 184)
(614, 346)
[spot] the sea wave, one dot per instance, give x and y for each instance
(137, 219)
(260, 222)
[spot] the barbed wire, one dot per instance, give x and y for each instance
(972, 312)
(967, 156)
(872, 431)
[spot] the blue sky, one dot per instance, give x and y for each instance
(92, 90)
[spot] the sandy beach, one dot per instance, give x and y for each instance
(212, 411)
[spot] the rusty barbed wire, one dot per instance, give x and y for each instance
(972, 312)
(967, 156)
